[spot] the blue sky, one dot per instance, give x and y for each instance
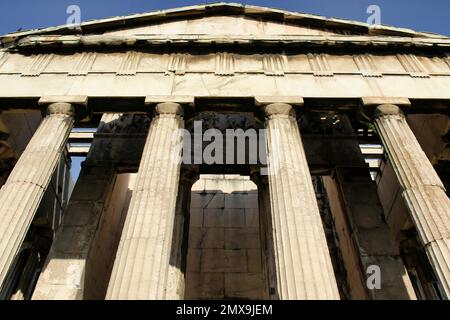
(420, 15)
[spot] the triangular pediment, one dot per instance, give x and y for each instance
(223, 25)
(224, 19)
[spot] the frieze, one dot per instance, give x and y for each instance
(224, 64)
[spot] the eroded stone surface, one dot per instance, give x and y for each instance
(422, 189)
(22, 192)
(141, 267)
(302, 260)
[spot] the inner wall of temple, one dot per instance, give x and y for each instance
(224, 248)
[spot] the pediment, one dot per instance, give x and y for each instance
(222, 19)
(223, 26)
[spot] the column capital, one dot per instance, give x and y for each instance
(278, 109)
(75, 106)
(388, 110)
(169, 108)
(60, 108)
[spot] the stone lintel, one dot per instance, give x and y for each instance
(292, 100)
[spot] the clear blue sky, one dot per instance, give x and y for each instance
(421, 15)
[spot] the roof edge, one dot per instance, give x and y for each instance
(73, 41)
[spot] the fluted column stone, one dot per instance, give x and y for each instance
(302, 260)
(143, 261)
(21, 195)
(422, 189)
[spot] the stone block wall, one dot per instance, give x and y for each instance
(224, 248)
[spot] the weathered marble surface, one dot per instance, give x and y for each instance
(142, 264)
(422, 189)
(302, 260)
(21, 194)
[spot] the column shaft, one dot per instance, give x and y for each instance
(21, 195)
(303, 263)
(141, 268)
(423, 191)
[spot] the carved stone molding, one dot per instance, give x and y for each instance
(37, 65)
(84, 64)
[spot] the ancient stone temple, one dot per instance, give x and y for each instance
(335, 185)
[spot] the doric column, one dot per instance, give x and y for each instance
(423, 191)
(302, 259)
(21, 195)
(141, 268)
